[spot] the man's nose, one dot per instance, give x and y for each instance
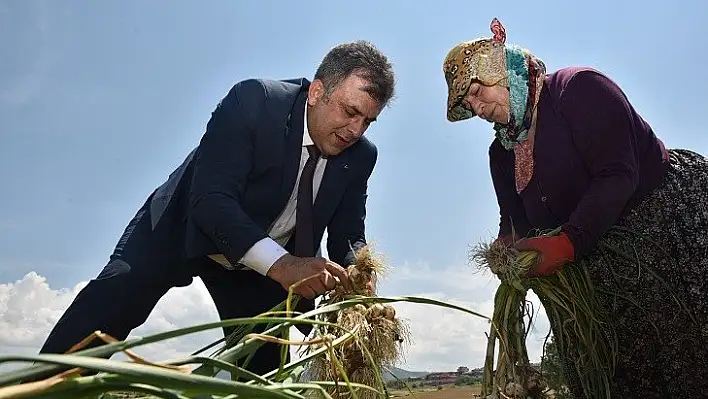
(356, 129)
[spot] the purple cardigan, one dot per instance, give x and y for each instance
(595, 158)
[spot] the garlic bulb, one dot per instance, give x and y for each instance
(376, 310)
(389, 312)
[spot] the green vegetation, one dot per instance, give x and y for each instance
(570, 301)
(195, 376)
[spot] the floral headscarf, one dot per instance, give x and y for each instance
(491, 61)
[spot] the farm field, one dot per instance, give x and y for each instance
(448, 392)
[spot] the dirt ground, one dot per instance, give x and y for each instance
(448, 392)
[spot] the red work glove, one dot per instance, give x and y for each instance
(554, 252)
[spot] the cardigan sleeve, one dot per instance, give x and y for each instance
(599, 117)
(512, 214)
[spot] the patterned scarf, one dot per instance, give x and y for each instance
(525, 76)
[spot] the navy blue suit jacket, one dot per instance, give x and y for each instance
(230, 189)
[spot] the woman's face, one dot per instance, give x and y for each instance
(490, 103)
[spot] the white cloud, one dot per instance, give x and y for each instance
(442, 339)
(29, 308)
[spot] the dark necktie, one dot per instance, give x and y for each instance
(304, 229)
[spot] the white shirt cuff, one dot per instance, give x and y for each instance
(263, 255)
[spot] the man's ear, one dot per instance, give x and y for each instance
(315, 92)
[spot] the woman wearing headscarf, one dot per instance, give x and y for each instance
(570, 151)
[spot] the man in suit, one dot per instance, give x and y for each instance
(280, 162)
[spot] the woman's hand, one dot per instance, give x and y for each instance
(554, 252)
(507, 240)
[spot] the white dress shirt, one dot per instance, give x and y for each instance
(261, 256)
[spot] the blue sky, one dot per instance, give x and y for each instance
(99, 101)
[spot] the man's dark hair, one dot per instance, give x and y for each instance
(363, 59)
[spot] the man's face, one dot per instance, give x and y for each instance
(338, 121)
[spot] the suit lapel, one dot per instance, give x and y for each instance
(293, 149)
(334, 181)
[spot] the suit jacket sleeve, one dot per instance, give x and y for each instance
(222, 165)
(346, 230)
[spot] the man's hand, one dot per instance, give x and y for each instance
(322, 275)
